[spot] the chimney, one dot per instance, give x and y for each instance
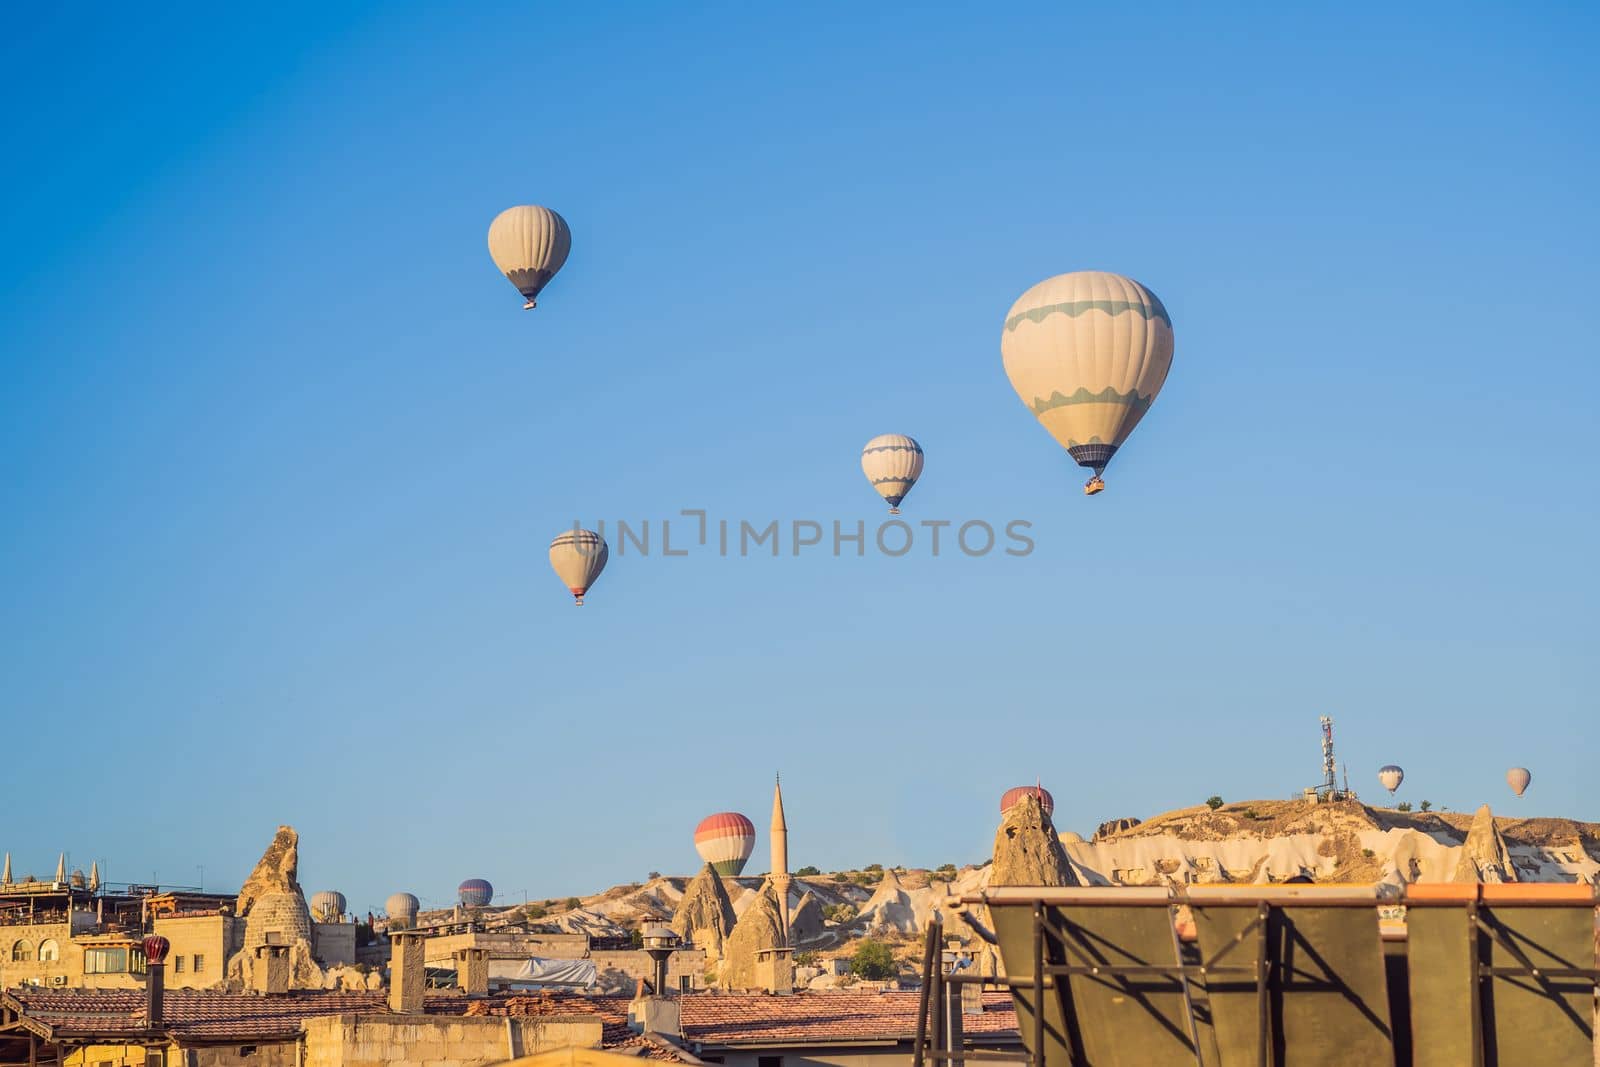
(407, 977)
(652, 1013)
(155, 983)
(775, 970)
(271, 972)
(472, 971)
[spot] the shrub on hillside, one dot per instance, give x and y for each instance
(1213, 802)
(807, 871)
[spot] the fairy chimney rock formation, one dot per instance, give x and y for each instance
(705, 914)
(1484, 856)
(806, 922)
(760, 927)
(1027, 850)
(274, 911)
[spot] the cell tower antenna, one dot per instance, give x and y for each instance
(1330, 780)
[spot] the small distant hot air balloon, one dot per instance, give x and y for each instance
(529, 244)
(402, 906)
(892, 462)
(1016, 793)
(725, 840)
(1087, 352)
(578, 557)
(1390, 777)
(327, 906)
(474, 893)
(1518, 779)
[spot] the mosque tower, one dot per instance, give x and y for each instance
(780, 858)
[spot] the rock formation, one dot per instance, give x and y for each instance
(760, 927)
(705, 914)
(806, 922)
(1027, 850)
(1484, 856)
(1113, 826)
(890, 909)
(274, 911)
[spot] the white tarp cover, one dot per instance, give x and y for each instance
(556, 972)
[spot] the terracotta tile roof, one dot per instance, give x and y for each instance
(709, 1019)
(195, 1014)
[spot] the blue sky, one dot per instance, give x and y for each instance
(280, 456)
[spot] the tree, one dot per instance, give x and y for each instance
(654, 875)
(1213, 802)
(573, 903)
(947, 871)
(807, 871)
(873, 959)
(873, 868)
(805, 959)
(535, 911)
(1427, 804)
(840, 876)
(1404, 805)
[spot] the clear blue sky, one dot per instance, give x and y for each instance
(280, 456)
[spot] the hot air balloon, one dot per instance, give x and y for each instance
(474, 893)
(529, 244)
(327, 906)
(1087, 352)
(1390, 777)
(725, 840)
(892, 462)
(578, 557)
(402, 907)
(1518, 779)
(1016, 793)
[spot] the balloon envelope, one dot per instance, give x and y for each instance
(529, 244)
(725, 840)
(327, 905)
(401, 906)
(1087, 352)
(1518, 779)
(1016, 793)
(892, 462)
(578, 557)
(474, 893)
(1391, 777)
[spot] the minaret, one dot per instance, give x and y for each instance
(94, 877)
(6, 877)
(780, 857)
(61, 869)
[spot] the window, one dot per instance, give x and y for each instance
(199, 963)
(105, 961)
(22, 952)
(49, 951)
(177, 965)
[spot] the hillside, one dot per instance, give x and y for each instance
(1248, 842)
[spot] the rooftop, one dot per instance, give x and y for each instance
(709, 1019)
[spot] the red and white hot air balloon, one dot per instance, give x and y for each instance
(1011, 796)
(725, 840)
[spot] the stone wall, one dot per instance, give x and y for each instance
(334, 944)
(428, 1041)
(201, 946)
(281, 1054)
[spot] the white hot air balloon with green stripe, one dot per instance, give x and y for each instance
(529, 244)
(892, 462)
(1087, 352)
(578, 556)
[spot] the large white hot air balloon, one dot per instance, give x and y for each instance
(1519, 779)
(529, 244)
(1390, 777)
(1087, 352)
(578, 556)
(892, 462)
